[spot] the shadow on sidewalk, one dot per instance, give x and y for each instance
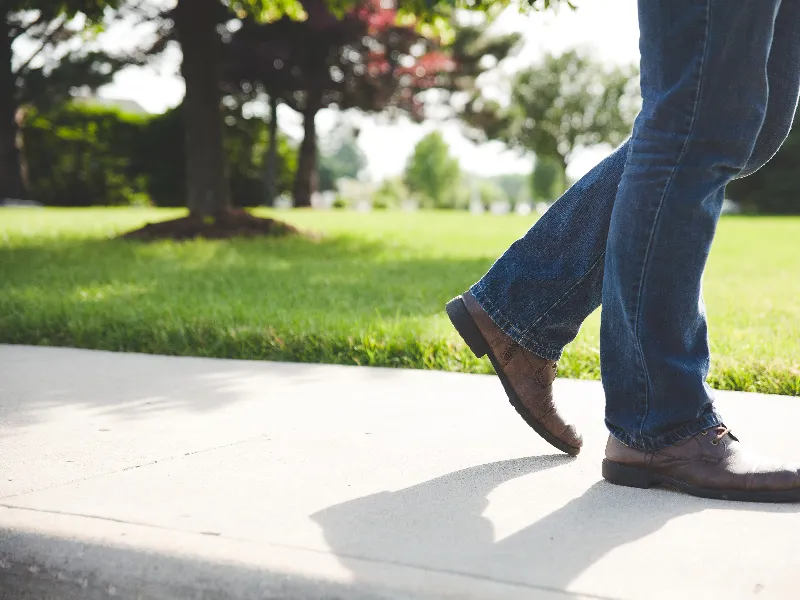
(43, 567)
(438, 525)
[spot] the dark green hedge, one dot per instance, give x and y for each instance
(84, 155)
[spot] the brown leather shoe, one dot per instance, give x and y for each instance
(527, 378)
(712, 464)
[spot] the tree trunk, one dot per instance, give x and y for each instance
(10, 173)
(207, 188)
(271, 162)
(24, 168)
(306, 178)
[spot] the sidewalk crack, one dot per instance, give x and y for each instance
(133, 467)
(377, 561)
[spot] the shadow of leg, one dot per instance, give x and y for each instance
(439, 525)
(422, 524)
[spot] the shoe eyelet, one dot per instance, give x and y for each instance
(704, 432)
(714, 443)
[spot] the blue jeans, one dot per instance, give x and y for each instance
(720, 82)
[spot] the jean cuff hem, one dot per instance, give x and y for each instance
(498, 318)
(671, 438)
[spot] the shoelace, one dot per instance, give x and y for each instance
(722, 431)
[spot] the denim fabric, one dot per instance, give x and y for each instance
(720, 84)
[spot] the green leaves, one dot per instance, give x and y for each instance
(569, 102)
(50, 9)
(432, 172)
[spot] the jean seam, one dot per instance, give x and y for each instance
(571, 291)
(656, 220)
(506, 326)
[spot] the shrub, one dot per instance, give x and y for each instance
(84, 155)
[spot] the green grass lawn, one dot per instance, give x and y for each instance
(371, 291)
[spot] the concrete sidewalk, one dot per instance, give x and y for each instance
(134, 476)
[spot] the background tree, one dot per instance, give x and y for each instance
(198, 26)
(548, 180)
(271, 159)
(46, 25)
(565, 103)
(208, 193)
(365, 60)
(516, 187)
(342, 159)
(246, 138)
(476, 51)
(390, 194)
(490, 193)
(198, 30)
(432, 173)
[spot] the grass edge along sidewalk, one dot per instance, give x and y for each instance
(371, 292)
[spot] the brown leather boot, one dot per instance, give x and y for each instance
(527, 378)
(712, 464)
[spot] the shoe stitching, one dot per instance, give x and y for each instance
(509, 353)
(537, 374)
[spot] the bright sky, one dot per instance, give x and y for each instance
(609, 28)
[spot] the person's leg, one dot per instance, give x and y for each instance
(542, 278)
(540, 291)
(546, 284)
(533, 300)
(705, 92)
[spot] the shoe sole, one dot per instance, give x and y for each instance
(628, 476)
(469, 332)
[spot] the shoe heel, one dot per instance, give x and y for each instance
(462, 321)
(620, 474)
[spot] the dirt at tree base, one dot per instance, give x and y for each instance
(238, 223)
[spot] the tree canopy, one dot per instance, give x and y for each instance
(568, 102)
(565, 103)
